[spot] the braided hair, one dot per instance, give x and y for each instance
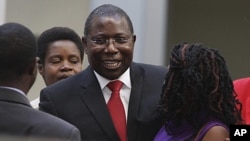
(198, 83)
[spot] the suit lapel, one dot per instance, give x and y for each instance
(135, 100)
(92, 92)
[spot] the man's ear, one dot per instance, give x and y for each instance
(84, 44)
(134, 38)
(33, 67)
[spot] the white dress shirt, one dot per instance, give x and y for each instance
(35, 103)
(124, 92)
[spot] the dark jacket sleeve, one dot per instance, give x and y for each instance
(46, 104)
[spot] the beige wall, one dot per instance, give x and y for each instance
(2, 11)
(40, 15)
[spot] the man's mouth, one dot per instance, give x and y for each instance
(112, 64)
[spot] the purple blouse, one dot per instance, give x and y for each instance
(185, 132)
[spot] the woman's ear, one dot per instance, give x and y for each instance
(40, 66)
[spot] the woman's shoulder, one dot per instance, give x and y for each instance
(213, 130)
(216, 132)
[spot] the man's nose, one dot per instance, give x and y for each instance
(111, 45)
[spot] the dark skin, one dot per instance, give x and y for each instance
(110, 61)
(25, 81)
(216, 133)
(61, 61)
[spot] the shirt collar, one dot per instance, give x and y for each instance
(14, 89)
(124, 78)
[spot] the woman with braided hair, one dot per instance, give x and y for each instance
(198, 99)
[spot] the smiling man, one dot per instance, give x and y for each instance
(85, 98)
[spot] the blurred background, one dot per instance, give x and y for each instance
(159, 24)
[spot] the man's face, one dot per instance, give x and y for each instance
(109, 46)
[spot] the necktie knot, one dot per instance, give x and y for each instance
(115, 86)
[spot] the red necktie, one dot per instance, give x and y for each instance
(116, 109)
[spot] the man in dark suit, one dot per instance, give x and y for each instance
(17, 75)
(82, 99)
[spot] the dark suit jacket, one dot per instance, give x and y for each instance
(18, 118)
(79, 100)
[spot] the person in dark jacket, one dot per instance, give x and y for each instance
(83, 99)
(17, 74)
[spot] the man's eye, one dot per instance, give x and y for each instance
(121, 40)
(99, 41)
